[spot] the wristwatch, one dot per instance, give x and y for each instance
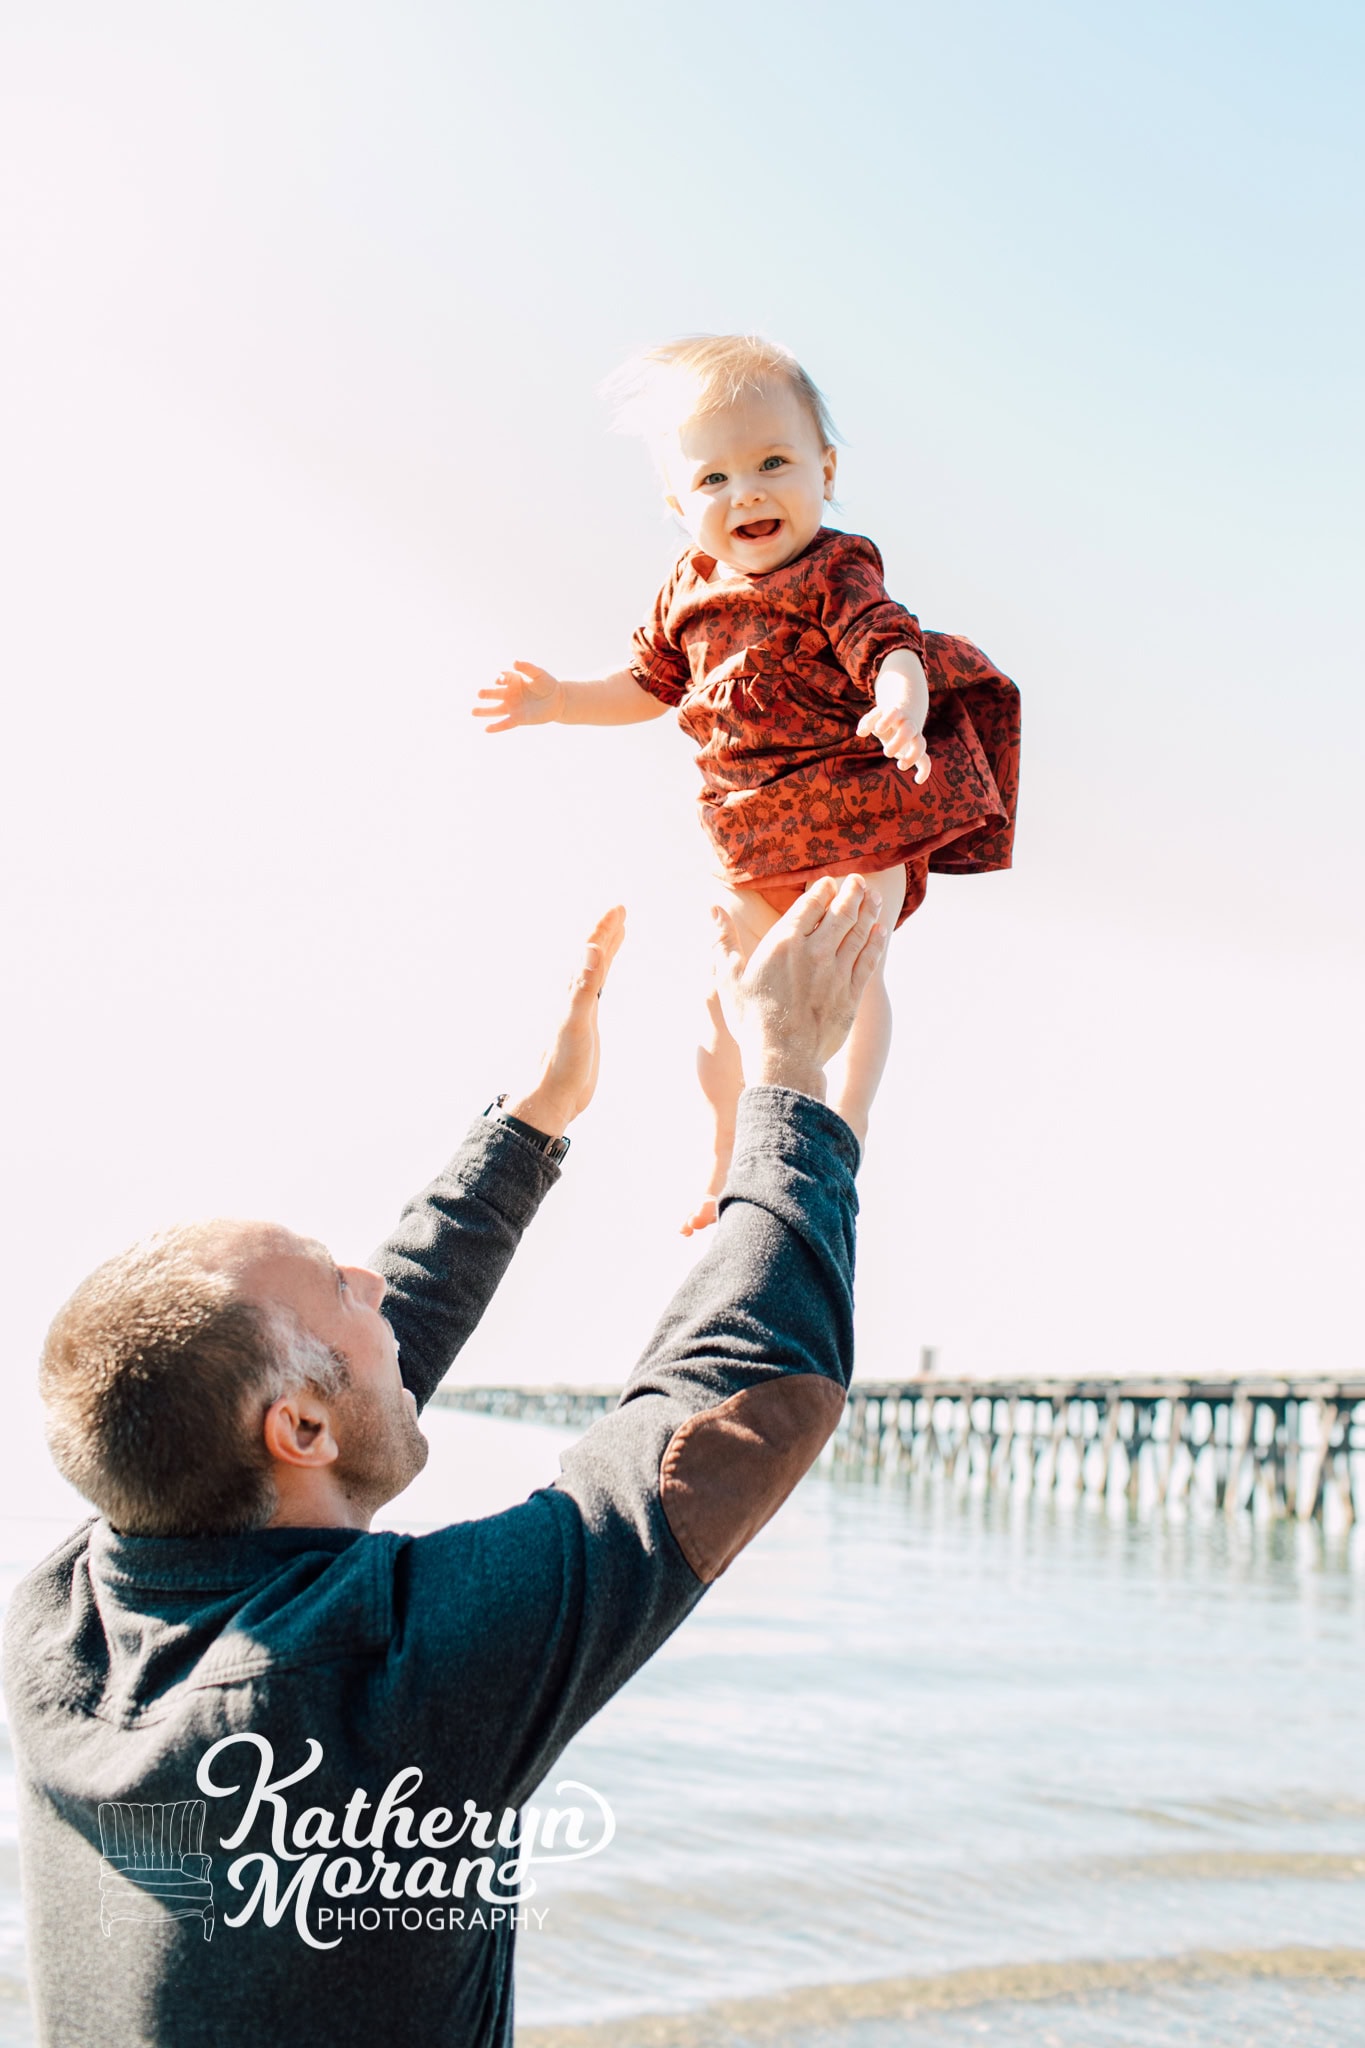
(552, 1149)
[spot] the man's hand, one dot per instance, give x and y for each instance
(521, 695)
(792, 1006)
(897, 718)
(568, 1073)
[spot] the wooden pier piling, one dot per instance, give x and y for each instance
(1289, 1447)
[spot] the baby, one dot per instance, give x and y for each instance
(835, 737)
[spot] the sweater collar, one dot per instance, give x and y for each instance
(204, 1562)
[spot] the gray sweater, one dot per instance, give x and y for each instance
(160, 1690)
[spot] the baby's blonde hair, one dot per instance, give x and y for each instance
(657, 391)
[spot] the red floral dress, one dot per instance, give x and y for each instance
(771, 675)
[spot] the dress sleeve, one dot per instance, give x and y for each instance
(862, 623)
(657, 663)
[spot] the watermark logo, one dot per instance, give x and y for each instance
(431, 1869)
(153, 1863)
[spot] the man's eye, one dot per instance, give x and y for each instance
(773, 462)
(716, 477)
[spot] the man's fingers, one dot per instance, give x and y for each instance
(865, 966)
(850, 902)
(609, 931)
(837, 901)
(603, 945)
(865, 912)
(863, 945)
(809, 912)
(589, 978)
(852, 944)
(605, 939)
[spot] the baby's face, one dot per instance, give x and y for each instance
(750, 484)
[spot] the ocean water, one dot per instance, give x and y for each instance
(934, 1768)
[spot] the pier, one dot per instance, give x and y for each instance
(1280, 1447)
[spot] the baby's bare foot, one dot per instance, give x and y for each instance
(701, 1217)
(707, 1209)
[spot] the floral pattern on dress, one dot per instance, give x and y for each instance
(770, 676)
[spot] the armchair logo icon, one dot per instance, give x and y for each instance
(153, 1863)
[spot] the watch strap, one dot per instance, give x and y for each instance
(552, 1149)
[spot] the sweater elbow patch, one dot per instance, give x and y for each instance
(728, 1470)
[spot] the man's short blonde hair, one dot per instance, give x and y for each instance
(156, 1376)
(657, 391)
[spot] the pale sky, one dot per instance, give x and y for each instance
(306, 308)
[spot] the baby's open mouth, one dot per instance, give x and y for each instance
(758, 529)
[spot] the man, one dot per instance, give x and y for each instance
(235, 1708)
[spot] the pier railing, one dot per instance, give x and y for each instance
(1287, 1447)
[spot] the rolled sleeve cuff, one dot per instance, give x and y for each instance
(509, 1171)
(865, 646)
(660, 678)
(807, 1134)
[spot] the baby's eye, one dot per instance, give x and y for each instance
(773, 462)
(716, 477)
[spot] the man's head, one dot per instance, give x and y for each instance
(225, 1376)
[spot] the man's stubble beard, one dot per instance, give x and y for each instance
(382, 1449)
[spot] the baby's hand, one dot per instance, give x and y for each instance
(900, 707)
(521, 695)
(901, 738)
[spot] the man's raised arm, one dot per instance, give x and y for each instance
(546, 1610)
(453, 1242)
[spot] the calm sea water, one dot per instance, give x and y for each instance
(932, 1769)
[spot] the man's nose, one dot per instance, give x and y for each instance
(371, 1286)
(750, 492)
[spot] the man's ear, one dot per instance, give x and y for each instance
(674, 507)
(298, 1431)
(831, 464)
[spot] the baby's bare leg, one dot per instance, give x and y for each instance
(857, 1071)
(719, 1067)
